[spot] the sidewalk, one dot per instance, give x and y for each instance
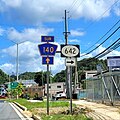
(101, 111)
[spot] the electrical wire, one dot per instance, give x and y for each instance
(96, 20)
(99, 17)
(102, 42)
(72, 5)
(103, 35)
(76, 7)
(111, 47)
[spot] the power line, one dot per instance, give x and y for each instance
(102, 42)
(72, 5)
(112, 47)
(103, 35)
(76, 6)
(97, 18)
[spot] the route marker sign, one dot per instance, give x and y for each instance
(47, 60)
(47, 49)
(70, 51)
(47, 38)
(70, 62)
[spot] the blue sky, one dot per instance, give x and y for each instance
(27, 20)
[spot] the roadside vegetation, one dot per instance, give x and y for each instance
(42, 104)
(59, 110)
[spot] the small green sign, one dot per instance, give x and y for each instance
(13, 85)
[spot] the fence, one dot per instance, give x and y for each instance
(104, 88)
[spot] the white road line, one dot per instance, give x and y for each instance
(19, 114)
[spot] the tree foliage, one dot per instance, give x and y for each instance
(27, 75)
(40, 78)
(60, 77)
(3, 77)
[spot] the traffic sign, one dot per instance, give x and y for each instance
(13, 85)
(70, 62)
(47, 60)
(70, 51)
(47, 38)
(47, 49)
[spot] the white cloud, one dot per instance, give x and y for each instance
(77, 33)
(74, 40)
(12, 3)
(30, 58)
(99, 50)
(36, 11)
(1, 31)
(7, 68)
(28, 34)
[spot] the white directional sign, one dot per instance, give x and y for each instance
(70, 62)
(70, 51)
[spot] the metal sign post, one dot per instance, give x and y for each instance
(47, 89)
(70, 52)
(47, 50)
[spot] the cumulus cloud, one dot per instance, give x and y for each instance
(28, 34)
(1, 31)
(7, 68)
(36, 12)
(12, 3)
(30, 58)
(74, 41)
(77, 32)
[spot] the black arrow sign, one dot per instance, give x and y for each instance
(70, 62)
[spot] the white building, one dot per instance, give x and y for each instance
(55, 88)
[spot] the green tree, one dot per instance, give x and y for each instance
(60, 77)
(3, 77)
(40, 78)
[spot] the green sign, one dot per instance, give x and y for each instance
(13, 85)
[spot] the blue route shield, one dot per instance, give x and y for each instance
(47, 49)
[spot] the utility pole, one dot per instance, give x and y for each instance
(66, 42)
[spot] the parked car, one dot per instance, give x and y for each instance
(38, 98)
(60, 96)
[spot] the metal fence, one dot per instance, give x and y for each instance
(104, 88)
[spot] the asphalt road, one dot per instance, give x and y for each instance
(8, 112)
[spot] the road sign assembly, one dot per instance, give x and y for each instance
(70, 51)
(47, 38)
(47, 49)
(70, 62)
(47, 60)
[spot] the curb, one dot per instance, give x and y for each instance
(22, 107)
(35, 117)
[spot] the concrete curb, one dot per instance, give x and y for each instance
(35, 117)
(22, 107)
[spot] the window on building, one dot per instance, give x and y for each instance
(49, 87)
(58, 86)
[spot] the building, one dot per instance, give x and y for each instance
(55, 88)
(90, 74)
(28, 83)
(33, 90)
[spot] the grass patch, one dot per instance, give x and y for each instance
(42, 104)
(65, 117)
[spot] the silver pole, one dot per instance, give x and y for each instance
(17, 64)
(70, 86)
(17, 67)
(115, 85)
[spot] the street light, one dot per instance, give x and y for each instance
(17, 59)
